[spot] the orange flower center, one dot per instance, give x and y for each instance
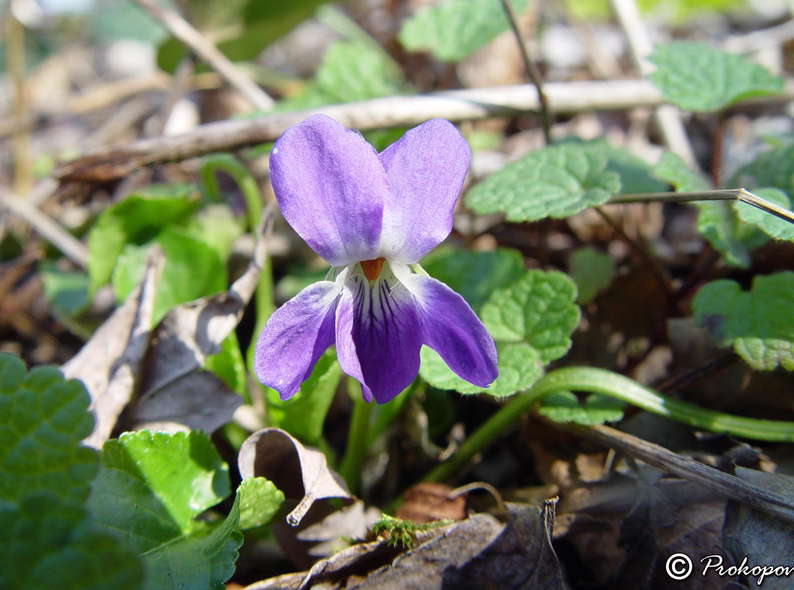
(372, 268)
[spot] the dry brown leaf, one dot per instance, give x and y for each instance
(301, 473)
(175, 393)
(110, 361)
(304, 477)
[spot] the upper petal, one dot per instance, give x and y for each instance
(330, 187)
(378, 336)
(295, 336)
(425, 169)
(452, 329)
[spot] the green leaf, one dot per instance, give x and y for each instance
(454, 29)
(354, 71)
(66, 292)
(519, 367)
(260, 500)
(192, 270)
(303, 415)
(553, 182)
(699, 78)
(773, 168)
(770, 224)
(636, 175)
(564, 406)
(262, 23)
(719, 224)
(229, 365)
(474, 275)
(135, 220)
(43, 418)
(592, 271)
(199, 561)
(538, 309)
(759, 323)
(149, 491)
(672, 169)
(152, 486)
(531, 321)
(217, 227)
(49, 542)
(349, 72)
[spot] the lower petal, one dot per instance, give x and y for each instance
(378, 337)
(453, 330)
(295, 336)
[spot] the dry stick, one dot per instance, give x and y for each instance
(15, 65)
(112, 163)
(460, 105)
(732, 194)
(667, 116)
(184, 31)
(49, 230)
(723, 483)
(532, 72)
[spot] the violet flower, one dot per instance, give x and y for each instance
(372, 217)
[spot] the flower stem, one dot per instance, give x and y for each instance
(356, 450)
(605, 382)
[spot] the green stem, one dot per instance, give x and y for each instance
(263, 298)
(594, 380)
(356, 450)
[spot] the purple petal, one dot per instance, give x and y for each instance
(452, 329)
(378, 337)
(425, 169)
(295, 336)
(330, 187)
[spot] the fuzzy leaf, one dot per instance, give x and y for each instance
(699, 78)
(48, 542)
(454, 29)
(538, 309)
(43, 418)
(553, 182)
(355, 71)
(531, 321)
(135, 220)
(771, 225)
(519, 367)
(759, 323)
(773, 168)
(592, 271)
(564, 406)
(671, 168)
(260, 500)
(474, 275)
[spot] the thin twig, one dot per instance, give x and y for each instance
(15, 65)
(731, 194)
(187, 34)
(532, 72)
(668, 118)
(49, 230)
(723, 483)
